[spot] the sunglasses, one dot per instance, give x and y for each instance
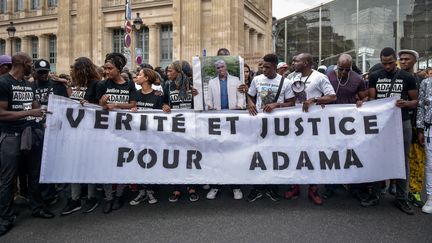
(344, 69)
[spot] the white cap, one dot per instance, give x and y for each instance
(411, 52)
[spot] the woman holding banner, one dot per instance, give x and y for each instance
(85, 76)
(178, 93)
(115, 93)
(146, 99)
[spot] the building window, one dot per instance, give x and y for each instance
(19, 5)
(143, 43)
(52, 3)
(2, 47)
(34, 47)
(17, 45)
(3, 6)
(52, 50)
(166, 43)
(118, 40)
(34, 4)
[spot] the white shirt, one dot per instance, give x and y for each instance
(317, 84)
(265, 89)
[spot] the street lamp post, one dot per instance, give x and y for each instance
(11, 32)
(137, 22)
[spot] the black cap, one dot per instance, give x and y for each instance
(42, 65)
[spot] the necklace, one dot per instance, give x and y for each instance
(340, 81)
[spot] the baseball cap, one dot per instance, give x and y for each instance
(42, 65)
(282, 65)
(411, 52)
(5, 59)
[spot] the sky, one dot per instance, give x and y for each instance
(282, 8)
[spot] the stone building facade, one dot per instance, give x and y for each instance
(62, 30)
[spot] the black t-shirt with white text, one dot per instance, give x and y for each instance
(172, 97)
(381, 81)
(44, 89)
(117, 93)
(20, 96)
(87, 93)
(148, 101)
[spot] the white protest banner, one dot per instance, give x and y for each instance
(337, 144)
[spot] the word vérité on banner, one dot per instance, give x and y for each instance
(335, 144)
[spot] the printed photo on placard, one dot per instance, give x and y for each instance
(217, 79)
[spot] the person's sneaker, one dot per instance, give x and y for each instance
(206, 187)
(193, 196)
(71, 206)
(118, 203)
(427, 208)
(329, 193)
(107, 208)
(142, 196)
(175, 196)
(151, 198)
(90, 205)
(237, 194)
(270, 193)
(314, 196)
(293, 192)
(212, 193)
(415, 199)
(52, 201)
(254, 195)
(404, 206)
(392, 189)
(371, 200)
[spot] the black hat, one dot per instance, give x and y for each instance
(42, 65)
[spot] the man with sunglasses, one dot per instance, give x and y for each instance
(5, 64)
(316, 90)
(350, 88)
(393, 82)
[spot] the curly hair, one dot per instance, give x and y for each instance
(83, 71)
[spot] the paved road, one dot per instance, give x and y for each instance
(340, 219)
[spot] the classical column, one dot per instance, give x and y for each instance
(154, 45)
(26, 5)
(253, 38)
(220, 26)
(25, 44)
(64, 37)
(260, 45)
(43, 46)
(246, 41)
(191, 29)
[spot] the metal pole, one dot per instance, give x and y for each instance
(320, 37)
(397, 27)
(11, 43)
(357, 39)
(286, 42)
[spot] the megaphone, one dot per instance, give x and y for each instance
(298, 86)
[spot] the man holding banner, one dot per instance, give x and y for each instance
(393, 82)
(18, 109)
(316, 88)
(271, 91)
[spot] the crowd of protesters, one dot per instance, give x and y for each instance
(25, 86)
